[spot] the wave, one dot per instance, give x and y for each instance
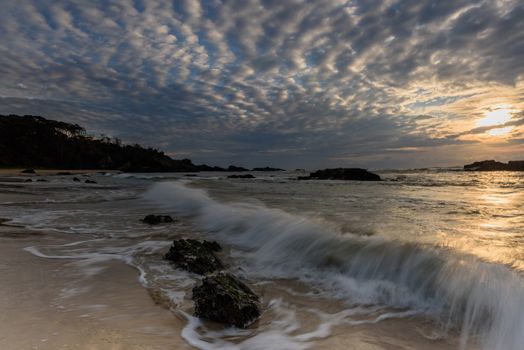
(485, 300)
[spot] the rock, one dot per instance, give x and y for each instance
(225, 299)
(235, 168)
(157, 219)
(76, 179)
(41, 180)
(246, 176)
(64, 173)
(492, 165)
(28, 171)
(191, 175)
(355, 174)
(194, 256)
(90, 182)
(267, 169)
(28, 180)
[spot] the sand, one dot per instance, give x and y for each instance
(48, 304)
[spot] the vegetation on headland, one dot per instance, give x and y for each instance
(37, 142)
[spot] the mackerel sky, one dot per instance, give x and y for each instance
(287, 83)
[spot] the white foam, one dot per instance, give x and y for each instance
(485, 299)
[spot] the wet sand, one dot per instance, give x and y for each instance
(50, 304)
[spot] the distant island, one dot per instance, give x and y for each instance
(492, 165)
(37, 142)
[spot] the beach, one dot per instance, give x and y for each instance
(113, 311)
(394, 264)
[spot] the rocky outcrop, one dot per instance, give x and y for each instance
(492, 165)
(267, 169)
(245, 176)
(157, 219)
(195, 256)
(236, 168)
(355, 174)
(224, 298)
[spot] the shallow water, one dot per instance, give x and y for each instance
(427, 259)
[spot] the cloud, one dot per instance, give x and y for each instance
(263, 81)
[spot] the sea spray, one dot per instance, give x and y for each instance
(484, 299)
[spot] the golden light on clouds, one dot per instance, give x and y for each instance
(500, 131)
(495, 117)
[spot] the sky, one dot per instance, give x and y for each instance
(287, 83)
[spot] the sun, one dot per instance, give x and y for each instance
(494, 118)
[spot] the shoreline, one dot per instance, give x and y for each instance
(49, 304)
(52, 172)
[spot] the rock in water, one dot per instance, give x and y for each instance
(90, 182)
(157, 219)
(246, 176)
(195, 256)
(225, 299)
(76, 179)
(28, 171)
(355, 174)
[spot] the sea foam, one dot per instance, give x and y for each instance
(484, 300)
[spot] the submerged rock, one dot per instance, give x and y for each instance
(41, 180)
(28, 180)
(76, 179)
(28, 171)
(356, 174)
(90, 182)
(224, 298)
(246, 176)
(195, 256)
(157, 219)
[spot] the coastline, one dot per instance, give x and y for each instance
(51, 172)
(49, 304)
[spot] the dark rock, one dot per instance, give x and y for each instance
(194, 256)
(267, 169)
(64, 173)
(190, 175)
(28, 180)
(516, 165)
(355, 174)
(90, 182)
(225, 299)
(157, 219)
(76, 179)
(41, 180)
(492, 165)
(246, 176)
(236, 168)
(28, 171)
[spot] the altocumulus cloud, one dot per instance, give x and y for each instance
(287, 83)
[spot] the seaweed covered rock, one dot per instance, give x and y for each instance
(195, 256)
(157, 219)
(224, 298)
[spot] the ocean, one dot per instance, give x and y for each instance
(424, 259)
